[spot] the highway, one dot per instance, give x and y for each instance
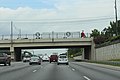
(52, 71)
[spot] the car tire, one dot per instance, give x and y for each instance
(57, 63)
(39, 63)
(5, 64)
(9, 63)
(67, 63)
(30, 63)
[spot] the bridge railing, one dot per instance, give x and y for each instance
(46, 35)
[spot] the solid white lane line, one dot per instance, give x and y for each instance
(34, 70)
(86, 78)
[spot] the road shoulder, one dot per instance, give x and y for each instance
(117, 68)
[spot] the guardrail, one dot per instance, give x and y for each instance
(46, 35)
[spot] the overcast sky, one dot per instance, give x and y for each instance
(33, 16)
(56, 15)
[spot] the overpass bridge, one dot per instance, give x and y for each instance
(15, 44)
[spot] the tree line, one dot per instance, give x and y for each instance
(109, 33)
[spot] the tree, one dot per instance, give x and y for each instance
(107, 33)
(74, 51)
(99, 37)
(112, 29)
(95, 33)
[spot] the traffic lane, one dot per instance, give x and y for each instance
(65, 72)
(95, 72)
(46, 71)
(18, 73)
(53, 72)
(14, 66)
(19, 69)
(39, 74)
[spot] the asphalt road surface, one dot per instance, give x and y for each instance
(52, 71)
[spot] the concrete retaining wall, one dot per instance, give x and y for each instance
(108, 52)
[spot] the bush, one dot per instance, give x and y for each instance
(100, 39)
(115, 38)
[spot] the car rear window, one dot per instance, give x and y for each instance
(27, 56)
(34, 57)
(63, 57)
(53, 55)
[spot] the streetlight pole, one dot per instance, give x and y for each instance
(116, 17)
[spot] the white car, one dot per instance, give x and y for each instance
(35, 60)
(63, 59)
(45, 58)
(26, 59)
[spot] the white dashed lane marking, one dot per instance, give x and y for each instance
(34, 70)
(86, 78)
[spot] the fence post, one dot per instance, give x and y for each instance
(52, 36)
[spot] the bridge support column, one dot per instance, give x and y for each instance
(83, 54)
(18, 54)
(93, 54)
(15, 53)
(87, 53)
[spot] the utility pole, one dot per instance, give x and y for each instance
(19, 33)
(116, 17)
(11, 38)
(11, 34)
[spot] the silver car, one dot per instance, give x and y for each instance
(35, 60)
(63, 59)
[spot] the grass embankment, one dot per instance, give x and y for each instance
(113, 63)
(114, 60)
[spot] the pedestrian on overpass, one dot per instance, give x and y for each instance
(82, 34)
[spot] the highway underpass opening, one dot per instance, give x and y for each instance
(49, 50)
